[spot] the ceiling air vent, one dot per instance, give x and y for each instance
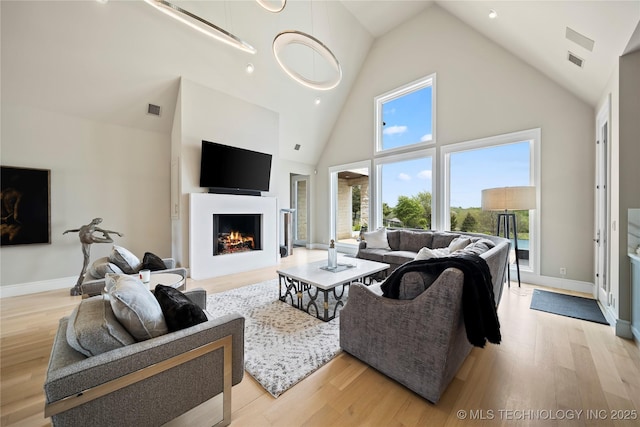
(297, 147)
(575, 60)
(579, 39)
(153, 110)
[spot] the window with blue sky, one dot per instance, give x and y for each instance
(405, 116)
(405, 178)
(407, 120)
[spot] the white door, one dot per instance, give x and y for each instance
(601, 238)
(300, 202)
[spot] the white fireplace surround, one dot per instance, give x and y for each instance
(202, 263)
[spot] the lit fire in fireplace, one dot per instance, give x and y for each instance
(235, 241)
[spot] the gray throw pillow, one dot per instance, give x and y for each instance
(459, 243)
(413, 283)
(477, 248)
(93, 329)
(136, 307)
(442, 239)
(413, 241)
(123, 258)
(101, 267)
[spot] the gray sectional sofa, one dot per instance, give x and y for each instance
(420, 339)
(404, 245)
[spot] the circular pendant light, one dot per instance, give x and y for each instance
(271, 8)
(287, 38)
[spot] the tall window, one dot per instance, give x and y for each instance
(405, 189)
(413, 191)
(405, 116)
(405, 125)
(501, 161)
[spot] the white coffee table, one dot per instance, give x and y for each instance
(310, 280)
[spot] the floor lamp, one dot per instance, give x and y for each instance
(505, 199)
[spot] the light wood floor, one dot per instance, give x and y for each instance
(548, 367)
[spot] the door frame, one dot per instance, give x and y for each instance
(602, 200)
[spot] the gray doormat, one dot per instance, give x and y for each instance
(567, 305)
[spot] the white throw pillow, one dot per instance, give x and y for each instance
(102, 266)
(459, 243)
(123, 258)
(376, 239)
(426, 253)
(135, 307)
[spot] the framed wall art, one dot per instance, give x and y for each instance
(26, 206)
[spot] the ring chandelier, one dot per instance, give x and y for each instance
(287, 38)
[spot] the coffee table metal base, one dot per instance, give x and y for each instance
(294, 291)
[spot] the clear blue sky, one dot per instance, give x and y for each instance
(407, 120)
(473, 171)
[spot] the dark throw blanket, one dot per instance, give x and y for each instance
(478, 304)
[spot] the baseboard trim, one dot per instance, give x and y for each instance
(35, 287)
(624, 329)
(608, 314)
(554, 282)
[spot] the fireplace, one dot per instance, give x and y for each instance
(203, 241)
(234, 233)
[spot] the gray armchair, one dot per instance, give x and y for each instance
(147, 383)
(92, 286)
(421, 341)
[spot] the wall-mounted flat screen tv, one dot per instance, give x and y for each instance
(233, 170)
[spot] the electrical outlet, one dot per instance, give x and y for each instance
(563, 271)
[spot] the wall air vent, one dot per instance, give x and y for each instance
(575, 60)
(153, 110)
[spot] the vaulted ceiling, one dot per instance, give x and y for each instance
(107, 61)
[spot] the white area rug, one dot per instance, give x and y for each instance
(282, 345)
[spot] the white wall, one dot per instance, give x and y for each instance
(482, 90)
(208, 114)
(97, 170)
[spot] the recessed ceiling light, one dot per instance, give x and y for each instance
(317, 101)
(250, 68)
(493, 14)
(102, 1)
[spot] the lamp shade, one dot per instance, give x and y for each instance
(509, 198)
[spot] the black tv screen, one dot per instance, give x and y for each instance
(236, 170)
